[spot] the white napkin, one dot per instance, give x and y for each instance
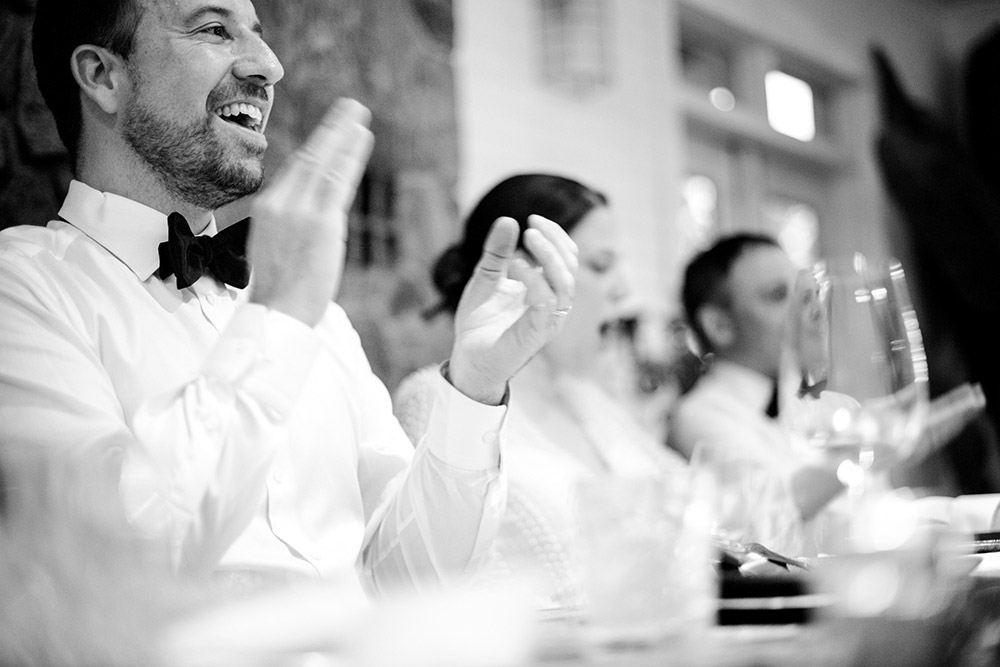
(975, 513)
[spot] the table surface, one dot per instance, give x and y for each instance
(314, 626)
(298, 629)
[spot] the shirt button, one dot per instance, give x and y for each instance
(276, 476)
(211, 423)
(243, 349)
(490, 438)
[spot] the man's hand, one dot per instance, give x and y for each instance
(510, 309)
(299, 229)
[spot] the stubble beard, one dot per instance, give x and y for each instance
(191, 160)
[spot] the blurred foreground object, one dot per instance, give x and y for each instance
(948, 415)
(644, 559)
(310, 626)
(947, 190)
(76, 588)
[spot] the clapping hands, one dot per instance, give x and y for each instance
(297, 241)
(514, 304)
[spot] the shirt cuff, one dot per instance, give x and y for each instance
(267, 354)
(462, 432)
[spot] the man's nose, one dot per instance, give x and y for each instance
(619, 289)
(257, 61)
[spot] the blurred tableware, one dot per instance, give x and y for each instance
(748, 501)
(644, 560)
(749, 552)
(986, 543)
(769, 599)
(947, 415)
(975, 513)
(909, 569)
(866, 400)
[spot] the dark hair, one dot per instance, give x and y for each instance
(560, 199)
(706, 274)
(60, 27)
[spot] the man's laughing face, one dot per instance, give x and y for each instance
(202, 87)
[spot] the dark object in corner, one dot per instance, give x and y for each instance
(951, 213)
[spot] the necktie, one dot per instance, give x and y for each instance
(772, 405)
(222, 256)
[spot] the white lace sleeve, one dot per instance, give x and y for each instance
(413, 400)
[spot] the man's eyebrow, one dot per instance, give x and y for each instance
(205, 10)
(223, 12)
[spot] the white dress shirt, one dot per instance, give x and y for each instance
(248, 440)
(726, 410)
(724, 415)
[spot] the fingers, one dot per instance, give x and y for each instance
(323, 139)
(559, 238)
(333, 159)
(498, 249)
(326, 169)
(556, 254)
(298, 240)
(538, 294)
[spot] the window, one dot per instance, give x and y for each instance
(574, 49)
(699, 218)
(763, 151)
(796, 226)
(706, 62)
(790, 105)
(371, 240)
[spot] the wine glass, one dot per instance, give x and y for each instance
(860, 364)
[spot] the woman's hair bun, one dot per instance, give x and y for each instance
(451, 272)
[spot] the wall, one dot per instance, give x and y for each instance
(618, 138)
(34, 165)
(628, 138)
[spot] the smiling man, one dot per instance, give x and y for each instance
(241, 425)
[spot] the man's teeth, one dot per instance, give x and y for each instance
(233, 110)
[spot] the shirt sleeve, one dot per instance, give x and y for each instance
(431, 522)
(447, 512)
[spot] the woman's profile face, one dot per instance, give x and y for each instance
(600, 288)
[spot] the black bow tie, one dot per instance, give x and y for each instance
(222, 256)
(814, 389)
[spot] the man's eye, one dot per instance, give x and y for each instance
(601, 263)
(599, 266)
(779, 295)
(216, 31)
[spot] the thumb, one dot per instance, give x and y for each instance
(498, 250)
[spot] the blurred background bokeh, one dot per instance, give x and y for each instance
(837, 125)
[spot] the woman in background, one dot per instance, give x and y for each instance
(563, 425)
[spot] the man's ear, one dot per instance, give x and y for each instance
(101, 76)
(717, 326)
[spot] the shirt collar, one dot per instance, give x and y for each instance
(130, 231)
(750, 386)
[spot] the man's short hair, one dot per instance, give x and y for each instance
(706, 275)
(61, 26)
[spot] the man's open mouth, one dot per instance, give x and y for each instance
(244, 115)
